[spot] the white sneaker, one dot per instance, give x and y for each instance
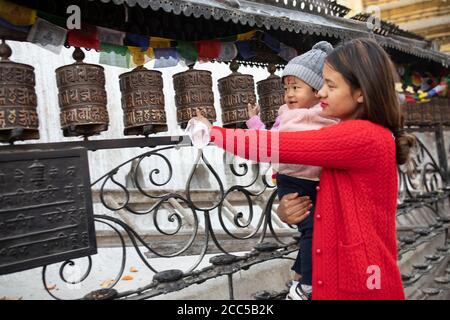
(291, 283)
(298, 291)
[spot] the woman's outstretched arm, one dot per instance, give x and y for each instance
(350, 144)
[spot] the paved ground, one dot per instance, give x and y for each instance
(106, 265)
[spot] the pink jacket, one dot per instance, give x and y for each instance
(296, 120)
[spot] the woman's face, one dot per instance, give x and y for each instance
(337, 97)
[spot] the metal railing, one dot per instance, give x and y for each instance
(233, 208)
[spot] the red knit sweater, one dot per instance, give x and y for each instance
(354, 242)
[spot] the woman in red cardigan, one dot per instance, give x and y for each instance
(354, 239)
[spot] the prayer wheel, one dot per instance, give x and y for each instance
(193, 90)
(236, 92)
(271, 96)
(143, 102)
(18, 102)
(82, 98)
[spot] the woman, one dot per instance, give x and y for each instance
(354, 240)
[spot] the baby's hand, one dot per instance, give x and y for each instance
(253, 110)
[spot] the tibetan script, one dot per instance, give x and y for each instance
(45, 208)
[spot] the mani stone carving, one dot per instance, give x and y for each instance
(143, 102)
(236, 91)
(18, 116)
(193, 90)
(82, 97)
(271, 96)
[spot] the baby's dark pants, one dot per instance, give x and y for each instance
(287, 184)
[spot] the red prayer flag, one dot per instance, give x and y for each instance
(208, 49)
(84, 38)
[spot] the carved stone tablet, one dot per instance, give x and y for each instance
(45, 208)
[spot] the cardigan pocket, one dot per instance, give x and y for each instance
(352, 267)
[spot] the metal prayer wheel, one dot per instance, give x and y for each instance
(143, 102)
(82, 97)
(18, 102)
(271, 96)
(236, 92)
(193, 90)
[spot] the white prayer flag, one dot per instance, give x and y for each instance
(47, 35)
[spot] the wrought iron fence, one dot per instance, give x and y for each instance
(424, 185)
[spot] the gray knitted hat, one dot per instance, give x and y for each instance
(308, 66)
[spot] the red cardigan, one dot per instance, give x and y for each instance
(354, 242)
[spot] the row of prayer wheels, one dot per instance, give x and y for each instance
(82, 98)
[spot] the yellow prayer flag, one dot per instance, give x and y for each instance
(150, 53)
(139, 57)
(246, 36)
(156, 42)
(134, 49)
(17, 15)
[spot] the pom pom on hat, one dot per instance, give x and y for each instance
(323, 46)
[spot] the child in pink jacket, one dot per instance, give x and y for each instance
(302, 78)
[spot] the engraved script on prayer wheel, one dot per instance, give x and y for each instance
(193, 90)
(236, 91)
(18, 116)
(82, 98)
(143, 102)
(271, 96)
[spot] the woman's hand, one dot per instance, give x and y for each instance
(253, 110)
(200, 117)
(294, 209)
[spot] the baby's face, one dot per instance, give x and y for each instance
(298, 94)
